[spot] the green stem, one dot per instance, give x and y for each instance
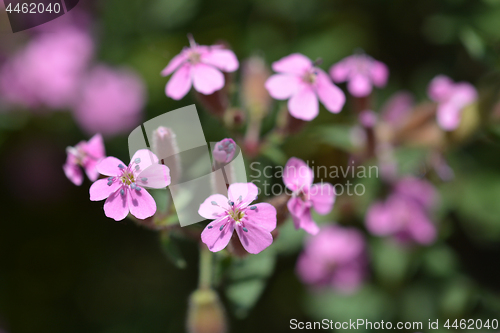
(205, 279)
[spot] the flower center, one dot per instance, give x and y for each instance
(237, 215)
(310, 76)
(127, 177)
(194, 57)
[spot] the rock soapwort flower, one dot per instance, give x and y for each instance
(405, 212)
(85, 155)
(452, 98)
(298, 177)
(335, 257)
(361, 72)
(253, 223)
(200, 66)
(123, 188)
(299, 81)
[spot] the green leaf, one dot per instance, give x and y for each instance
(368, 303)
(171, 249)
(247, 279)
(162, 199)
(390, 262)
(338, 136)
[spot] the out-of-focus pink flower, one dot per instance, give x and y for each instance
(335, 257)
(299, 81)
(367, 118)
(224, 151)
(122, 188)
(397, 108)
(85, 155)
(405, 212)
(200, 66)
(451, 98)
(111, 101)
(253, 223)
(298, 177)
(361, 72)
(47, 72)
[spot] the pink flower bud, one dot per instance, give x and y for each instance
(224, 151)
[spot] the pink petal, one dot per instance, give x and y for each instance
(464, 94)
(109, 166)
(397, 108)
(100, 189)
(255, 239)
(304, 104)
(329, 94)
(141, 204)
(307, 223)
(221, 58)
(348, 278)
(296, 207)
(215, 238)
(297, 175)
(116, 206)
(91, 169)
(336, 244)
(146, 159)
(210, 211)
(448, 116)
(310, 270)
(95, 147)
(440, 88)
(340, 71)
(73, 172)
(322, 197)
(207, 79)
(295, 63)
(379, 220)
(179, 83)
(174, 64)
(359, 85)
(155, 176)
(379, 73)
(247, 191)
(421, 228)
(264, 215)
(282, 86)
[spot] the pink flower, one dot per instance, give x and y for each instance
(85, 155)
(122, 188)
(397, 108)
(111, 101)
(335, 257)
(253, 223)
(299, 81)
(452, 98)
(201, 66)
(404, 214)
(361, 71)
(224, 151)
(298, 177)
(47, 72)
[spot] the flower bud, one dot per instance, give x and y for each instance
(224, 151)
(165, 147)
(205, 313)
(256, 98)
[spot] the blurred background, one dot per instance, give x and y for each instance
(65, 267)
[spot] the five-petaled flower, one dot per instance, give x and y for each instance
(122, 189)
(452, 98)
(405, 212)
(200, 66)
(361, 71)
(253, 223)
(299, 81)
(298, 177)
(335, 257)
(85, 155)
